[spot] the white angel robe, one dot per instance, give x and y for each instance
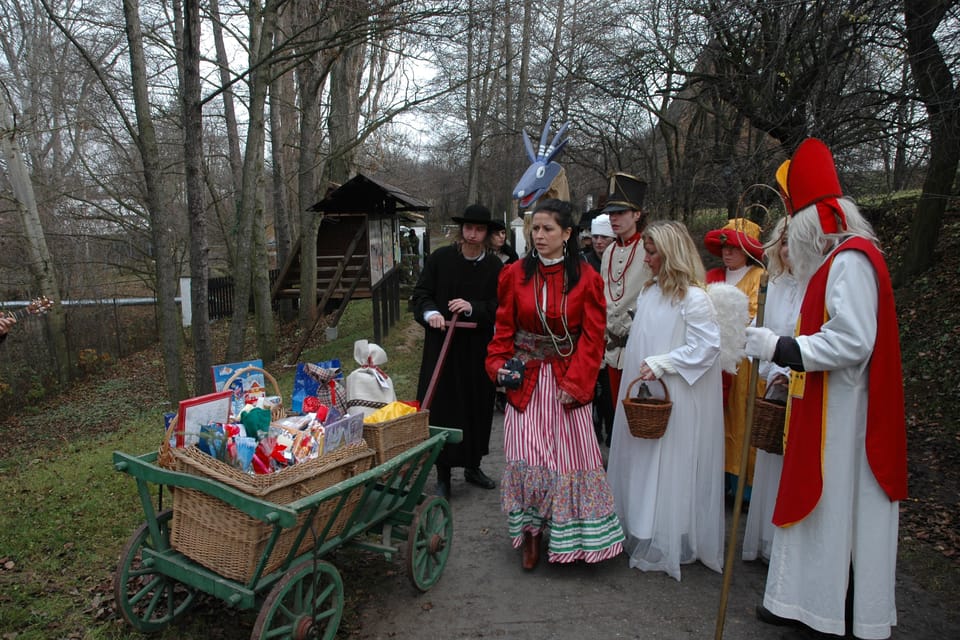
(668, 492)
(780, 316)
(854, 521)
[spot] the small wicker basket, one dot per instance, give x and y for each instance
(277, 412)
(768, 421)
(393, 437)
(647, 417)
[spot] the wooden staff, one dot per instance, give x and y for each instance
(744, 458)
(450, 328)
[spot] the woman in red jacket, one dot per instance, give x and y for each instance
(551, 318)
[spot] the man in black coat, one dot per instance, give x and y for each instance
(460, 278)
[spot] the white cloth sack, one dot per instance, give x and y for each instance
(368, 386)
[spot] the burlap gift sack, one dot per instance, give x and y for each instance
(368, 387)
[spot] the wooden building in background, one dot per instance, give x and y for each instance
(358, 250)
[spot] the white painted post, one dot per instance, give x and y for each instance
(186, 309)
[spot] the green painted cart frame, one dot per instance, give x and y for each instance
(155, 585)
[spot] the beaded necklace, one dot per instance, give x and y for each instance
(611, 280)
(540, 284)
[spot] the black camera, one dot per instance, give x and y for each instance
(514, 379)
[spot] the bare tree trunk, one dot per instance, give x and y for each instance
(941, 96)
(282, 119)
(41, 262)
(279, 125)
(262, 304)
(230, 118)
(156, 197)
(523, 84)
(479, 92)
(552, 63)
(262, 25)
(344, 117)
(196, 213)
(310, 82)
(311, 74)
(229, 111)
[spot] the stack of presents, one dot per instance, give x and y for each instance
(244, 436)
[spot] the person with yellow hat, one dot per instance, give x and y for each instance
(738, 244)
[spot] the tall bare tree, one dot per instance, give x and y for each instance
(40, 263)
(262, 22)
(154, 177)
(196, 211)
(940, 93)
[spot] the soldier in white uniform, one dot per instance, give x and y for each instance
(622, 269)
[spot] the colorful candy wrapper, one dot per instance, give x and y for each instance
(211, 439)
(322, 412)
(246, 446)
(310, 404)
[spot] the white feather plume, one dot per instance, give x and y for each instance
(733, 316)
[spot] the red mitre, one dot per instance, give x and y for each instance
(812, 180)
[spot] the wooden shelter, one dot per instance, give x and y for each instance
(358, 250)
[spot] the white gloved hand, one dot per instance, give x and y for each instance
(660, 365)
(761, 343)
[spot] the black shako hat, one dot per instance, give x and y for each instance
(625, 193)
(475, 213)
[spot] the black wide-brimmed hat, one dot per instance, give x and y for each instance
(475, 213)
(625, 193)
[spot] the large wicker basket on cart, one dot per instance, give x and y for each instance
(647, 417)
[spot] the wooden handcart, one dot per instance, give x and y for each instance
(303, 597)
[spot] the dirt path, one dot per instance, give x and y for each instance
(484, 593)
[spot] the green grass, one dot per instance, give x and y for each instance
(66, 513)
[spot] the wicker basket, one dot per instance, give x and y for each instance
(395, 436)
(277, 412)
(768, 421)
(223, 539)
(647, 417)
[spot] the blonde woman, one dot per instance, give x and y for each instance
(668, 492)
(780, 315)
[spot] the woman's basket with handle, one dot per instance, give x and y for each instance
(277, 412)
(769, 417)
(647, 417)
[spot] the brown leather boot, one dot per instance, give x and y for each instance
(531, 550)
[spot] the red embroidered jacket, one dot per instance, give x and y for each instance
(585, 312)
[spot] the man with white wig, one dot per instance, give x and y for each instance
(845, 464)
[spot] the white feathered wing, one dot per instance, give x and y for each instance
(733, 316)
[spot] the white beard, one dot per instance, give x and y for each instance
(805, 260)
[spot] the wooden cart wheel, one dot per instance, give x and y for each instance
(149, 601)
(428, 543)
(306, 603)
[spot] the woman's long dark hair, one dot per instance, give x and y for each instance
(563, 213)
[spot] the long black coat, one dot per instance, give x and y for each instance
(463, 397)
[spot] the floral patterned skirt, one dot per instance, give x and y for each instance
(554, 479)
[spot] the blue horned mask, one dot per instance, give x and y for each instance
(542, 170)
